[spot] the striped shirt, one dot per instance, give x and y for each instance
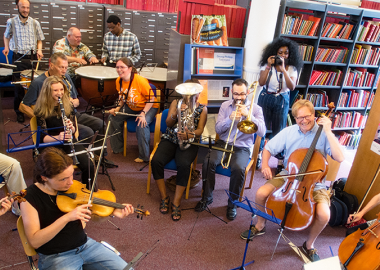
(124, 45)
(26, 39)
(82, 52)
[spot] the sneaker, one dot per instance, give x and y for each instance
(258, 163)
(311, 254)
(16, 209)
(20, 117)
(202, 205)
(254, 232)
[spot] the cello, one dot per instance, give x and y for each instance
(361, 249)
(293, 202)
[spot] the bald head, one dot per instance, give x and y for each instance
(74, 36)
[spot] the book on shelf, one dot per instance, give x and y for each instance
(205, 60)
(299, 24)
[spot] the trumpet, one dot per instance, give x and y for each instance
(246, 126)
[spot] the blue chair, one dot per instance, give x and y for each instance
(251, 166)
(3, 60)
(130, 124)
(161, 128)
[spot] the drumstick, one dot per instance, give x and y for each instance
(37, 65)
(6, 56)
(128, 114)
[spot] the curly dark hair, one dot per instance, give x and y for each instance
(272, 49)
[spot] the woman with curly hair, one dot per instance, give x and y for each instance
(279, 67)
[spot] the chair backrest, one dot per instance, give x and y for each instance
(163, 125)
(29, 250)
(2, 56)
(153, 87)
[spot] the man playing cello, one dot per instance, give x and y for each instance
(288, 140)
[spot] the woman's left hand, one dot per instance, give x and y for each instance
(141, 121)
(122, 213)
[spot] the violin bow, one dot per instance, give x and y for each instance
(297, 174)
(99, 162)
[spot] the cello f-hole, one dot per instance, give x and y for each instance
(287, 187)
(303, 196)
(378, 246)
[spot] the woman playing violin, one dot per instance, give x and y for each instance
(58, 237)
(290, 139)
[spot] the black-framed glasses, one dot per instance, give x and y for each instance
(306, 117)
(239, 94)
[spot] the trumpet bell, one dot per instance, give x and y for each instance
(247, 127)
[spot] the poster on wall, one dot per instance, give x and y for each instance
(217, 89)
(209, 30)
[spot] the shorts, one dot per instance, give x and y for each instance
(319, 196)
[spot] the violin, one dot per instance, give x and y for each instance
(293, 202)
(361, 249)
(103, 201)
(16, 196)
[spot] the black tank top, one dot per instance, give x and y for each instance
(70, 237)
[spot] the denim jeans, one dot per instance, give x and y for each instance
(92, 255)
(239, 160)
(275, 110)
(142, 134)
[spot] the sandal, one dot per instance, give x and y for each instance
(176, 212)
(164, 206)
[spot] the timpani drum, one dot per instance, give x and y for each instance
(97, 83)
(26, 75)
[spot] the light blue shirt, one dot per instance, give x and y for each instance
(292, 138)
(223, 124)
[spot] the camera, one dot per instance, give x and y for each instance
(278, 61)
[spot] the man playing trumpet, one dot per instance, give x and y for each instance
(228, 114)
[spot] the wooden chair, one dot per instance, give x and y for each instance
(251, 166)
(28, 249)
(130, 124)
(160, 128)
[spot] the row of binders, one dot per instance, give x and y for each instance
(235, 16)
(355, 98)
(349, 140)
(370, 4)
(306, 51)
(322, 77)
(365, 55)
(339, 30)
(331, 54)
(300, 24)
(369, 31)
(348, 120)
(359, 77)
(318, 99)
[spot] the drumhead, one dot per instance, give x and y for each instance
(27, 73)
(97, 72)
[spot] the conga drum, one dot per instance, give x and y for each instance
(97, 84)
(26, 75)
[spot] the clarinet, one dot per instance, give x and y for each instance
(64, 118)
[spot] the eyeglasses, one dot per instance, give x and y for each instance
(121, 67)
(239, 94)
(306, 117)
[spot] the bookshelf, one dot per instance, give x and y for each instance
(192, 69)
(341, 59)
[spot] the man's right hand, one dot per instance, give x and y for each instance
(5, 51)
(81, 61)
(266, 171)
